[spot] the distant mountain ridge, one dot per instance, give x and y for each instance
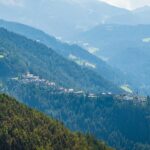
(64, 17)
(67, 18)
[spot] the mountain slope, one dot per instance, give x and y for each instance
(125, 47)
(20, 55)
(72, 52)
(123, 121)
(24, 128)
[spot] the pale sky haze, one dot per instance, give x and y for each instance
(128, 4)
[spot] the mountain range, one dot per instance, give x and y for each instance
(80, 73)
(66, 18)
(72, 21)
(77, 96)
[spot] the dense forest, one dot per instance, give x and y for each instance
(123, 124)
(22, 128)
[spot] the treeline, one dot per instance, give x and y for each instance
(123, 124)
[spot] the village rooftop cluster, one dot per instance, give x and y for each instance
(31, 78)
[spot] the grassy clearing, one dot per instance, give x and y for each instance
(126, 88)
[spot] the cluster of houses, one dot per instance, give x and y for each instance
(131, 97)
(31, 78)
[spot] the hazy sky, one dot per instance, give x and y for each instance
(129, 4)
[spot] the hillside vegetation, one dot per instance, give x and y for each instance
(123, 124)
(22, 128)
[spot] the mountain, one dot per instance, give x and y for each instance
(64, 18)
(27, 56)
(126, 47)
(24, 128)
(69, 51)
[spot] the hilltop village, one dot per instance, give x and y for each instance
(31, 78)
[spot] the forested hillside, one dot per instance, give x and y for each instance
(70, 51)
(122, 123)
(24, 55)
(22, 128)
